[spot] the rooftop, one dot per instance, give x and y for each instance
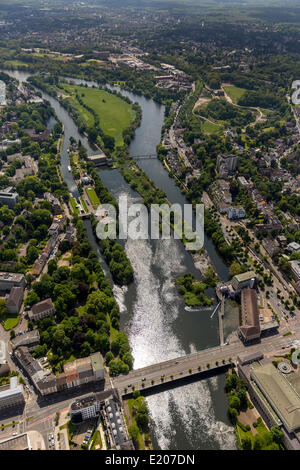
(42, 306)
(250, 319)
(281, 395)
(245, 276)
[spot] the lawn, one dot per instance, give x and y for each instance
(11, 322)
(94, 200)
(15, 63)
(115, 114)
(210, 127)
(74, 205)
(260, 428)
(96, 441)
(140, 439)
(83, 204)
(234, 92)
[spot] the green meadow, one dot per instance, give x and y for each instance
(115, 115)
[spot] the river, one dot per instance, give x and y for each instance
(153, 314)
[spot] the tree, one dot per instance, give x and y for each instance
(242, 395)
(233, 414)
(234, 402)
(134, 432)
(258, 442)
(246, 443)
(142, 421)
(3, 309)
(31, 299)
(277, 434)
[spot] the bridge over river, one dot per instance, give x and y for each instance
(175, 372)
(144, 157)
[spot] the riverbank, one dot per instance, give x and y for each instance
(153, 313)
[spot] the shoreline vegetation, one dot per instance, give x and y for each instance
(193, 290)
(249, 437)
(133, 174)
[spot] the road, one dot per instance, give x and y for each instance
(180, 366)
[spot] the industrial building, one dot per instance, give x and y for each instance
(275, 395)
(11, 396)
(10, 280)
(250, 327)
(246, 279)
(99, 159)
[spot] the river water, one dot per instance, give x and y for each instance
(153, 314)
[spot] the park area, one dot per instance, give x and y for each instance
(115, 114)
(93, 198)
(234, 92)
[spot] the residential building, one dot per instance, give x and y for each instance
(9, 197)
(2, 93)
(31, 339)
(4, 370)
(295, 268)
(250, 327)
(271, 247)
(89, 407)
(14, 300)
(226, 164)
(76, 373)
(54, 229)
(2, 353)
(10, 280)
(236, 213)
(40, 137)
(55, 203)
(107, 404)
(243, 182)
(42, 309)
(292, 247)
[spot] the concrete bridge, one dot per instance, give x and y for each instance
(144, 157)
(196, 366)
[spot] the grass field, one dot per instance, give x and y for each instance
(74, 205)
(15, 63)
(115, 115)
(210, 128)
(83, 204)
(94, 200)
(11, 322)
(96, 441)
(234, 92)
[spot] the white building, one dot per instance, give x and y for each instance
(2, 93)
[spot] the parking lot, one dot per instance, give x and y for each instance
(82, 431)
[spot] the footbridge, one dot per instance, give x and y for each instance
(196, 366)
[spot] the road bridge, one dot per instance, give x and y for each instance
(212, 360)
